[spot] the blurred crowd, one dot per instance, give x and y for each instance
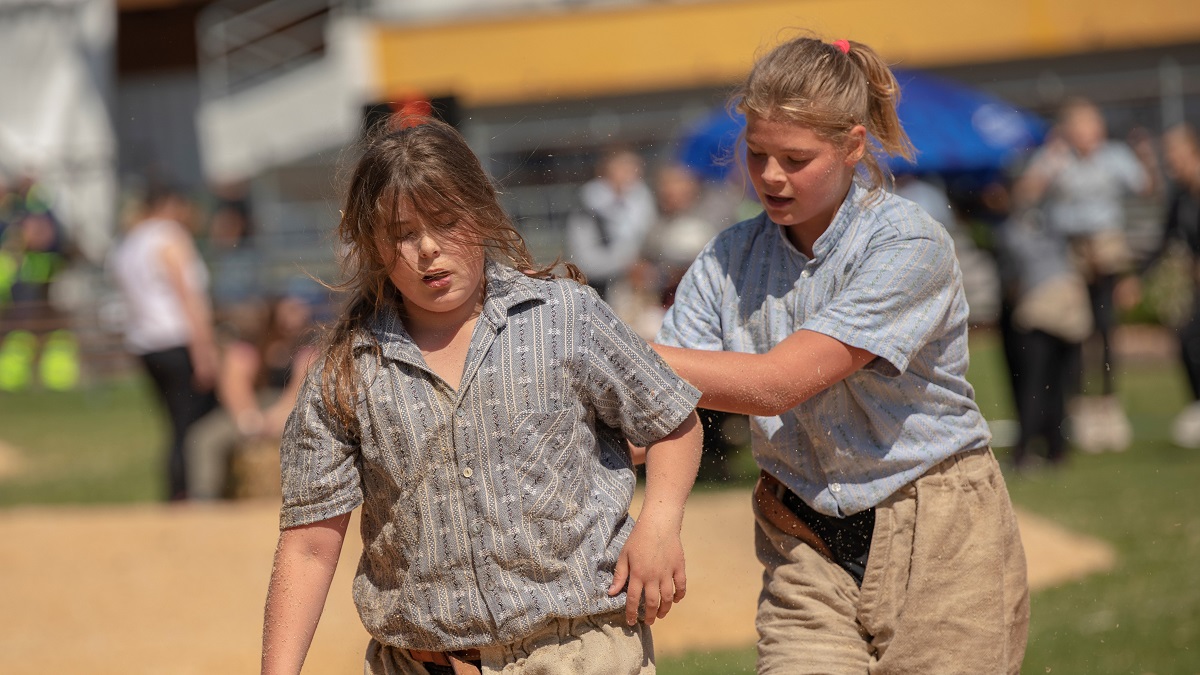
(225, 358)
(224, 354)
(1055, 225)
(1068, 274)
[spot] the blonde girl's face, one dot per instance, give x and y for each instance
(801, 178)
(436, 263)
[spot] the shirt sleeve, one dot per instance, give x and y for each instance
(319, 458)
(1127, 167)
(694, 320)
(896, 299)
(628, 385)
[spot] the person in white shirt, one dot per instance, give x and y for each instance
(607, 229)
(169, 320)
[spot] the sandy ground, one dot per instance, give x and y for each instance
(179, 589)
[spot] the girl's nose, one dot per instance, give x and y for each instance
(428, 247)
(772, 172)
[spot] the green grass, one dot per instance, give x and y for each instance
(105, 445)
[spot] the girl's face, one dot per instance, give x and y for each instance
(436, 264)
(801, 178)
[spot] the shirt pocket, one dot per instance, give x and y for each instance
(551, 455)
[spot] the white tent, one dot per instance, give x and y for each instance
(55, 74)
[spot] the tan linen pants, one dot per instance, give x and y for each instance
(944, 590)
(592, 645)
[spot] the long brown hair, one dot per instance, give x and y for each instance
(817, 85)
(425, 164)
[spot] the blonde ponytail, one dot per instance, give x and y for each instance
(884, 96)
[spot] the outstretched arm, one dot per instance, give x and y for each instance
(801, 366)
(652, 559)
(305, 561)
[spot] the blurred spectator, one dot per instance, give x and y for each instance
(637, 298)
(1079, 178)
(682, 228)
(233, 261)
(33, 251)
(169, 321)
(928, 195)
(256, 388)
(1182, 153)
(1047, 317)
(608, 227)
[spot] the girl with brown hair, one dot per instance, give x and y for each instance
(478, 409)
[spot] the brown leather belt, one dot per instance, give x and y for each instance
(462, 661)
(768, 495)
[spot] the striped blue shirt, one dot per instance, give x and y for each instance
(883, 278)
(491, 510)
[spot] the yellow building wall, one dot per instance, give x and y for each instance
(587, 52)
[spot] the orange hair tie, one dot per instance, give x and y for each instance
(843, 45)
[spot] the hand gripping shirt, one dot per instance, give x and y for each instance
(487, 511)
(884, 278)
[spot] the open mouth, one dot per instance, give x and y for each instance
(778, 202)
(435, 275)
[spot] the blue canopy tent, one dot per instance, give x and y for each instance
(955, 129)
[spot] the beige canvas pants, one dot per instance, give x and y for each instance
(944, 590)
(593, 645)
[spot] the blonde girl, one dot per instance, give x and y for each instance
(836, 319)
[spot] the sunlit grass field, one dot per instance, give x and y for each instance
(104, 445)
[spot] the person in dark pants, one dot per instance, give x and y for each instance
(169, 321)
(1045, 318)
(173, 376)
(1182, 227)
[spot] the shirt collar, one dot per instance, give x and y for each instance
(846, 214)
(506, 288)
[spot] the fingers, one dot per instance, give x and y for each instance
(658, 597)
(666, 594)
(653, 604)
(680, 584)
(620, 575)
(632, 600)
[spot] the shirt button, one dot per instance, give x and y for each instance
(833, 487)
(806, 274)
(467, 472)
(476, 527)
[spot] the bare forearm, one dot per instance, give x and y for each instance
(752, 391)
(796, 369)
(671, 466)
(305, 562)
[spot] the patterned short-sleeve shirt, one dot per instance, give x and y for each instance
(490, 510)
(883, 278)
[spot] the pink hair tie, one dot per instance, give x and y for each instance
(843, 45)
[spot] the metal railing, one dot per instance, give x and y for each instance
(243, 43)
